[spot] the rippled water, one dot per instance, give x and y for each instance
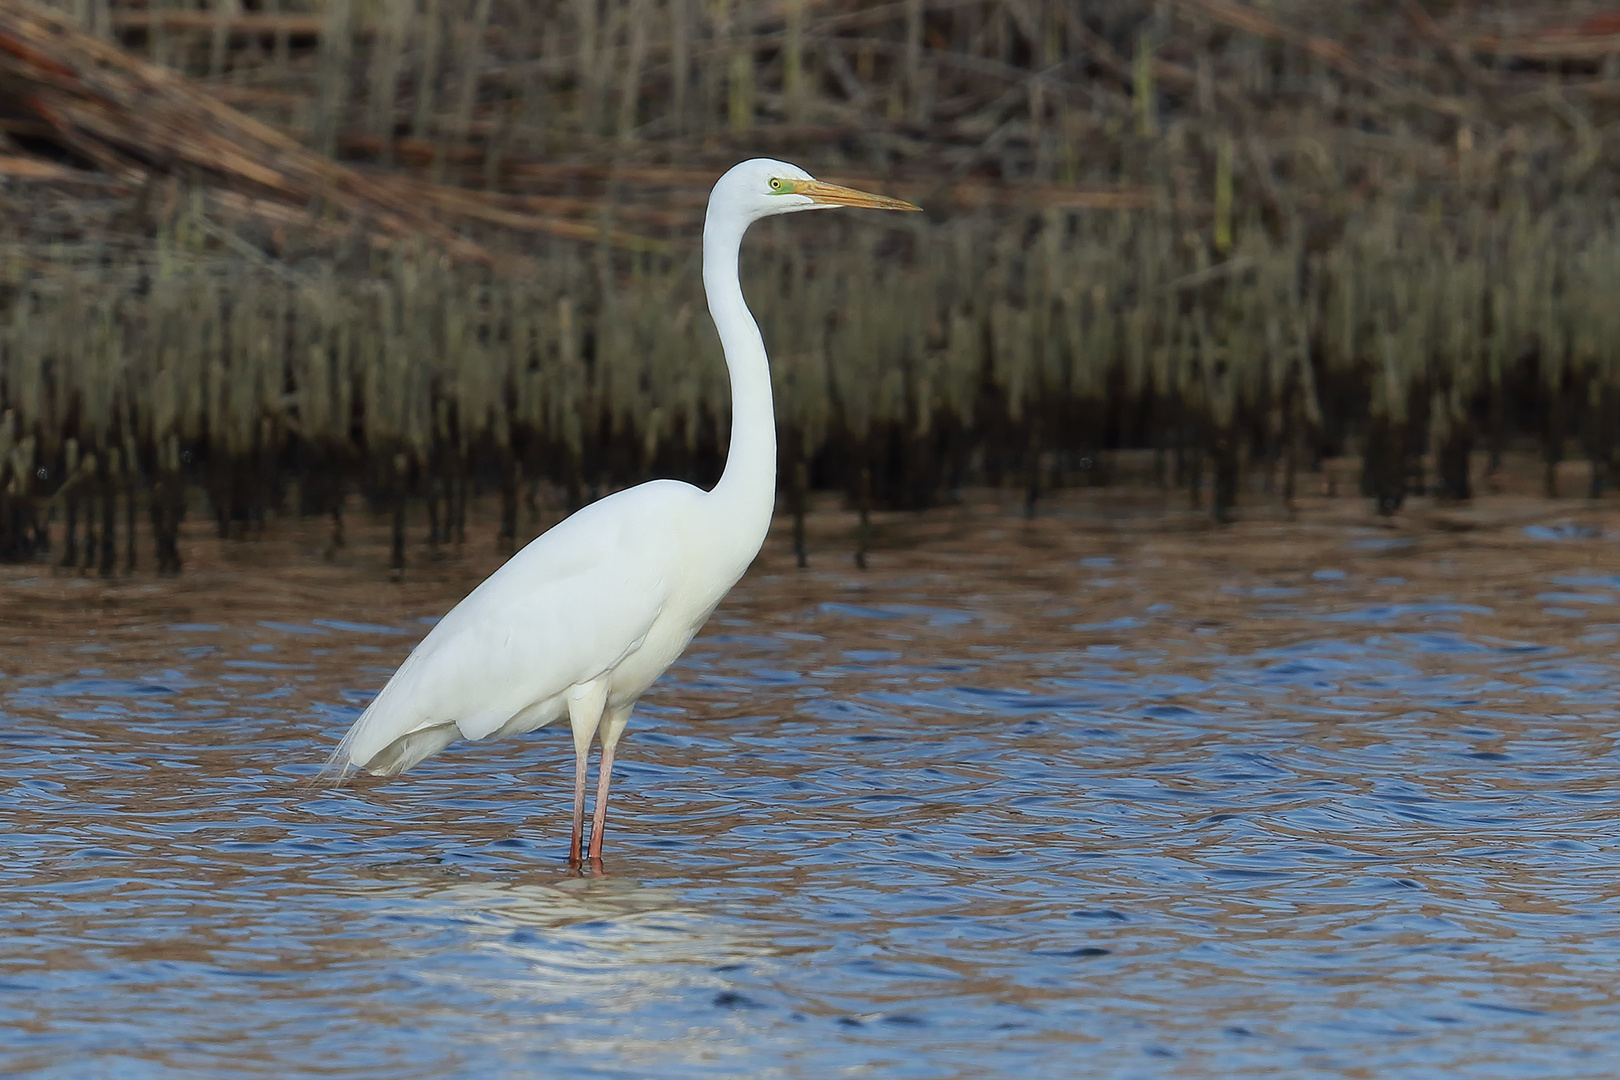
(1062, 798)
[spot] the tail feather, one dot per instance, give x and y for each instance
(408, 750)
(339, 764)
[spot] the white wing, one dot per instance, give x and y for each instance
(564, 610)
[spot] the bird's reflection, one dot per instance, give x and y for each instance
(599, 926)
(557, 903)
(569, 955)
(578, 867)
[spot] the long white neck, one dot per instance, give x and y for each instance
(746, 492)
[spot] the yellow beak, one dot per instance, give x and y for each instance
(833, 195)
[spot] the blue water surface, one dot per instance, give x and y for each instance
(977, 812)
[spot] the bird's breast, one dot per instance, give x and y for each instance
(653, 654)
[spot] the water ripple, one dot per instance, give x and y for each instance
(1225, 812)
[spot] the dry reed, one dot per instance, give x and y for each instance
(419, 248)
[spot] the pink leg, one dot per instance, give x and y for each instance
(612, 727)
(599, 819)
(585, 704)
(579, 806)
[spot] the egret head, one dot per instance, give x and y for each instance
(762, 187)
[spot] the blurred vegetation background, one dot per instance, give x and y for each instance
(282, 251)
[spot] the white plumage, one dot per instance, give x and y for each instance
(583, 619)
(502, 661)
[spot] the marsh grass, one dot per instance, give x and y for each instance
(1244, 239)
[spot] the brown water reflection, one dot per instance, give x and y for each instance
(1108, 793)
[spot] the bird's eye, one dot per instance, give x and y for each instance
(778, 185)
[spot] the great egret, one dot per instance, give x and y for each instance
(586, 616)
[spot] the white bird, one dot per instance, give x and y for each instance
(587, 615)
